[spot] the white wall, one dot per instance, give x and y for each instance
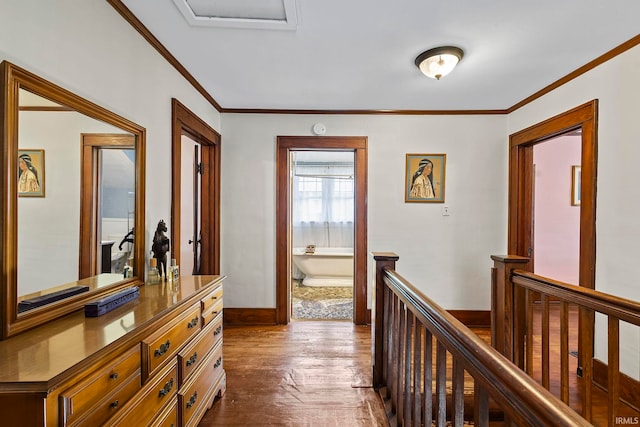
(446, 256)
(616, 84)
(88, 48)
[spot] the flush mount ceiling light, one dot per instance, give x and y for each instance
(440, 61)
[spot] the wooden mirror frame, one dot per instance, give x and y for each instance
(15, 78)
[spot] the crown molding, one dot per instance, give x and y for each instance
(128, 16)
(153, 41)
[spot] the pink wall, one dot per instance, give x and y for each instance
(556, 222)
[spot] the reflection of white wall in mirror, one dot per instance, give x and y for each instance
(118, 181)
(48, 232)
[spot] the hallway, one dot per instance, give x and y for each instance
(307, 373)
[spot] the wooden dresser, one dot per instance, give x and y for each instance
(154, 361)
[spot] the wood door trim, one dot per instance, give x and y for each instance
(520, 221)
(88, 192)
(286, 144)
(185, 122)
(521, 144)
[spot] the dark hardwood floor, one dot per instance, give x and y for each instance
(307, 373)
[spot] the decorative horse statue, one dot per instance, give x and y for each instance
(160, 247)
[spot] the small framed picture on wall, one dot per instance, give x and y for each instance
(425, 178)
(31, 173)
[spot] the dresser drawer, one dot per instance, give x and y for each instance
(212, 312)
(110, 405)
(195, 396)
(213, 298)
(76, 401)
(164, 344)
(169, 415)
(192, 355)
(154, 395)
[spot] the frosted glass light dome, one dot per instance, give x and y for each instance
(437, 63)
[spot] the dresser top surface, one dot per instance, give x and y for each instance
(34, 358)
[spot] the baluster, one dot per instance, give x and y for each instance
(545, 341)
(586, 353)
(457, 380)
(480, 405)
(408, 355)
(417, 373)
(519, 325)
(613, 374)
(441, 384)
(529, 357)
(386, 340)
(428, 377)
(564, 352)
(393, 381)
(400, 364)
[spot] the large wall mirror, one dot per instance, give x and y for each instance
(72, 201)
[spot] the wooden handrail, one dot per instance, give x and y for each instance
(611, 305)
(524, 400)
(517, 294)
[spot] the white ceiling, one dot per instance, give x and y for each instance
(359, 54)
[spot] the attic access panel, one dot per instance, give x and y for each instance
(258, 14)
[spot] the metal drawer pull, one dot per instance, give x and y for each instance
(163, 349)
(192, 399)
(114, 404)
(167, 388)
(193, 323)
(192, 359)
(217, 331)
(114, 376)
(218, 362)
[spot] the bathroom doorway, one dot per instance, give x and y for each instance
(322, 206)
(357, 147)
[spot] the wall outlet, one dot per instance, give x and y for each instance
(445, 211)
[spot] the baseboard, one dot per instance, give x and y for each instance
(267, 316)
(249, 316)
(473, 318)
(629, 387)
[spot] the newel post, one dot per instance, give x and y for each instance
(503, 319)
(383, 261)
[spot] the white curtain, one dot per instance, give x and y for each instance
(323, 205)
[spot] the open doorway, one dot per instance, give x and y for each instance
(107, 212)
(357, 145)
(556, 207)
(322, 206)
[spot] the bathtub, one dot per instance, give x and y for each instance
(325, 267)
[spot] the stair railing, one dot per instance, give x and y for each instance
(517, 293)
(418, 388)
